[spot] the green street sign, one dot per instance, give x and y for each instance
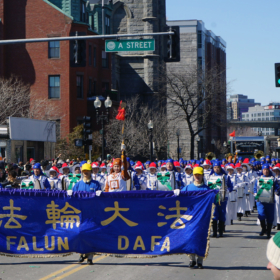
(130, 45)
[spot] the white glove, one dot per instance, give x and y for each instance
(176, 192)
(69, 192)
(98, 193)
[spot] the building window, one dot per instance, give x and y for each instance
(105, 88)
(54, 49)
(94, 88)
(271, 113)
(54, 86)
(107, 25)
(199, 62)
(89, 87)
(105, 60)
(82, 11)
(90, 55)
(199, 39)
(80, 86)
(94, 57)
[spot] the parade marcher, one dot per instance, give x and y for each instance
(197, 185)
(265, 188)
(97, 176)
(132, 183)
(273, 255)
(142, 178)
(276, 171)
(39, 180)
(207, 168)
(11, 181)
(152, 181)
(188, 176)
(54, 179)
(116, 181)
(163, 167)
(87, 184)
(218, 175)
(171, 179)
(242, 189)
(231, 210)
(103, 170)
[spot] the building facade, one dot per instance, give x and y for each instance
(269, 112)
(202, 49)
(238, 104)
(50, 67)
(137, 72)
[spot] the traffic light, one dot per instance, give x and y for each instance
(277, 74)
(87, 127)
(173, 45)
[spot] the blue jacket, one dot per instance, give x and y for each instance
(193, 187)
(91, 186)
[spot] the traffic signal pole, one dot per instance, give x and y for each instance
(111, 36)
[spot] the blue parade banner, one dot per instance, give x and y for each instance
(138, 222)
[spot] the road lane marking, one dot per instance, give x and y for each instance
(78, 268)
(59, 271)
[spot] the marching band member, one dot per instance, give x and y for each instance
(96, 176)
(188, 176)
(152, 183)
(265, 188)
(197, 185)
(54, 180)
(163, 167)
(276, 170)
(242, 189)
(216, 175)
(39, 180)
(175, 177)
(142, 178)
(132, 183)
(207, 168)
(87, 184)
(103, 170)
(231, 209)
(116, 181)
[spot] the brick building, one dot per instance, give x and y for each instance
(50, 67)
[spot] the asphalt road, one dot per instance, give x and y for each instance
(241, 254)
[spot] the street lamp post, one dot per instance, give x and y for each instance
(198, 141)
(178, 142)
(150, 128)
(101, 118)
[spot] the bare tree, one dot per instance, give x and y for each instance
(136, 132)
(195, 98)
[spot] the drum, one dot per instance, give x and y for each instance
(218, 183)
(240, 192)
(232, 196)
(266, 196)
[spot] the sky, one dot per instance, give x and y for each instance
(251, 29)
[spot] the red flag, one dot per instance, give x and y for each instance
(232, 134)
(121, 113)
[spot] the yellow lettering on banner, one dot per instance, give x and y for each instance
(166, 245)
(139, 243)
(9, 242)
(47, 243)
(120, 238)
(153, 243)
(35, 244)
(22, 244)
(61, 244)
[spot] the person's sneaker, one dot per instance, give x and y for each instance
(89, 262)
(192, 264)
(200, 266)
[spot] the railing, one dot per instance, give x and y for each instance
(257, 119)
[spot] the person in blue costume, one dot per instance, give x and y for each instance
(267, 160)
(220, 210)
(197, 185)
(171, 168)
(133, 183)
(87, 184)
(265, 210)
(39, 180)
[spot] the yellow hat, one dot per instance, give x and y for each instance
(86, 166)
(198, 170)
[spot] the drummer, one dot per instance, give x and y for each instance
(265, 209)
